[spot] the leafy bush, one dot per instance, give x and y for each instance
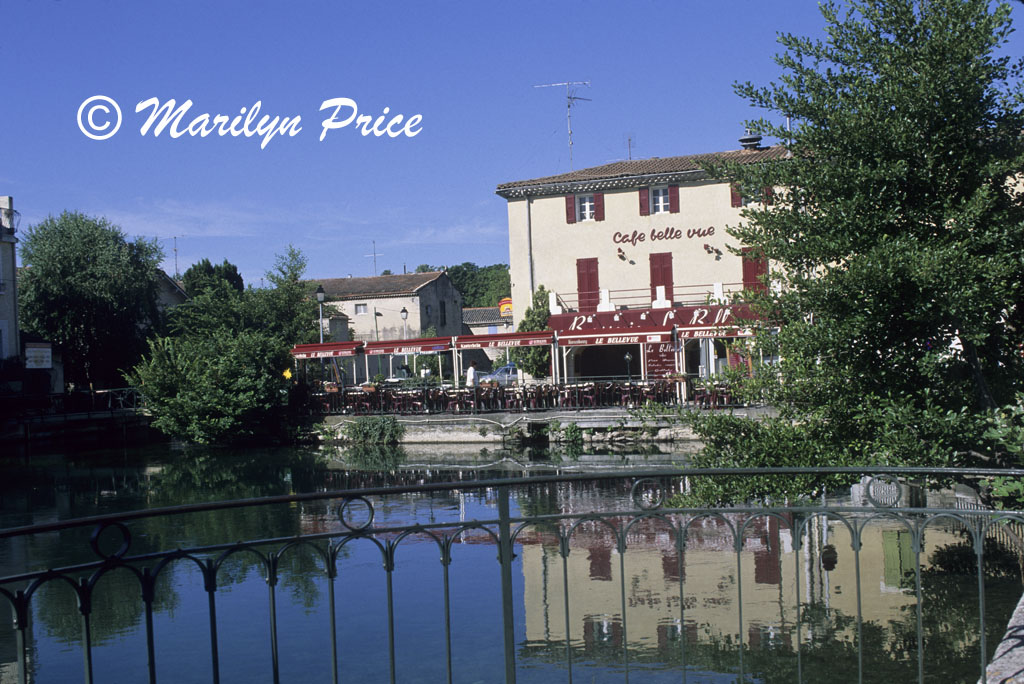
(374, 430)
(572, 434)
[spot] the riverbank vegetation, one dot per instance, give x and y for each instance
(222, 373)
(92, 293)
(891, 325)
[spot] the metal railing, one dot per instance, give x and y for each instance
(816, 537)
(412, 398)
(106, 401)
(640, 297)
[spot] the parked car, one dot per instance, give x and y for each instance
(506, 375)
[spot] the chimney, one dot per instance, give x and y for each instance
(750, 141)
(8, 217)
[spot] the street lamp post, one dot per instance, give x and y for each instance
(320, 294)
(629, 372)
(405, 333)
(320, 300)
(508, 324)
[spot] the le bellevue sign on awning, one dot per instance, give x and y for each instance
(626, 337)
(505, 340)
(326, 350)
(418, 346)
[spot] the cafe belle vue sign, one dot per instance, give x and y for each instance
(656, 234)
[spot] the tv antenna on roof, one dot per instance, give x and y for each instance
(374, 255)
(571, 98)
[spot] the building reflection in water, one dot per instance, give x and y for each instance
(668, 597)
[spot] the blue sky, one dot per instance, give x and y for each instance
(660, 72)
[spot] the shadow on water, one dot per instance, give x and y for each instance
(819, 639)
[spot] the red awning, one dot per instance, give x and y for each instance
(325, 350)
(417, 346)
(691, 333)
(626, 336)
(505, 340)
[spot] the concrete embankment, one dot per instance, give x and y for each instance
(100, 427)
(597, 427)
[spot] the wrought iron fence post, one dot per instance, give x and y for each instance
(505, 557)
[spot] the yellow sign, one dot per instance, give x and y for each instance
(505, 307)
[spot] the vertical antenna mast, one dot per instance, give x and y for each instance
(570, 99)
(374, 255)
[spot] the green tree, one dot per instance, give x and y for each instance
(478, 285)
(535, 360)
(203, 275)
(481, 285)
(219, 377)
(91, 292)
(894, 236)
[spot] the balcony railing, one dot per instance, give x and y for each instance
(640, 297)
(798, 593)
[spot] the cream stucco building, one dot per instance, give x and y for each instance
(631, 241)
(374, 306)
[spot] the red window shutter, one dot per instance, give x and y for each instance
(769, 196)
(645, 201)
(661, 274)
(599, 206)
(673, 199)
(570, 208)
(736, 197)
(754, 270)
(587, 287)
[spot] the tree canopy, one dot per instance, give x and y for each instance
(895, 239)
(535, 360)
(92, 292)
(479, 285)
(218, 377)
(202, 275)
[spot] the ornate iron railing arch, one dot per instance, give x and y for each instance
(504, 533)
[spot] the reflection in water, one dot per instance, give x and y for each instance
(650, 604)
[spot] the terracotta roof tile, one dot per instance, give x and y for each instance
(636, 168)
(483, 315)
(379, 286)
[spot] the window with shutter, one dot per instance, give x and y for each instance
(659, 200)
(584, 207)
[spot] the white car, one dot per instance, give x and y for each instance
(504, 376)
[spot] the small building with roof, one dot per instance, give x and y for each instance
(374, 306)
